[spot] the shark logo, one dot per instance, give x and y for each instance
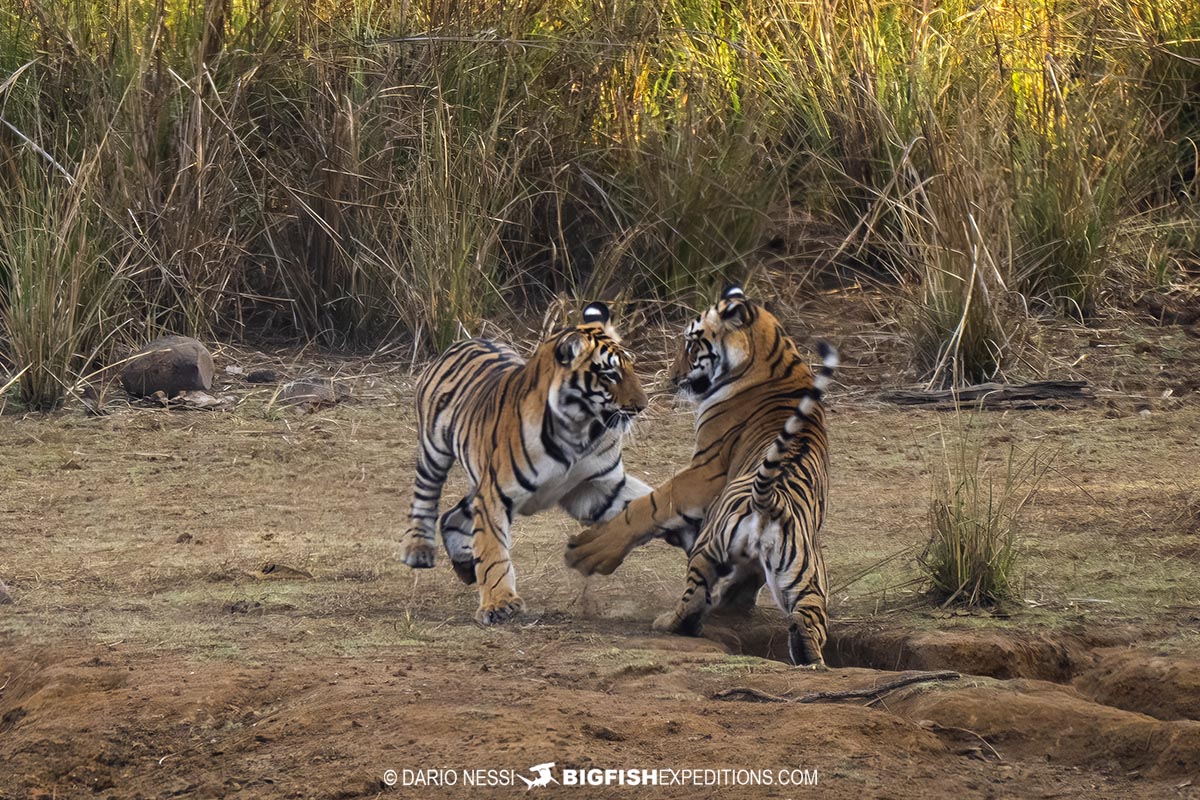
(544, 776)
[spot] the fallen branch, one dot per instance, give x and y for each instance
(992, 395)
(746, 693)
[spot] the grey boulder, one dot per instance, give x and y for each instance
(311, 392)
(170, 365)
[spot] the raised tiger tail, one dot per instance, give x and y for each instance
(772, 464)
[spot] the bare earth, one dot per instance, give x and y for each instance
(210, 605)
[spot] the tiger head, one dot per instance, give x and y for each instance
(594, 382)
(722, 343)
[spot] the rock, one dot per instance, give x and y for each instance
(170, 365)
(312, 391)
(263, 376)
(92, 397)
(190, 400)
(243, 607)
(203, 401)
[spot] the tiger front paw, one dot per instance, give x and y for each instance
(498, 609)
(592, 551)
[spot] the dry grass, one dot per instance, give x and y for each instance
(976, 520)
(61, 288)
(385, 170)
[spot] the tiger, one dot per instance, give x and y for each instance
(529, 434)
(754, 493)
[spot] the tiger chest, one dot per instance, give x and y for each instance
(553, 484)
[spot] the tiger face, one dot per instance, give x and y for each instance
(595, 382)
(717, 344)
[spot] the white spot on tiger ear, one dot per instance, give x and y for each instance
(596, 312)
(733, 292)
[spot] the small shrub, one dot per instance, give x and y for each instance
(1067, 219)
(974, 519)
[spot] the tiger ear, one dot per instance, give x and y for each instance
(596, 312)
(569, 347)
(733, 307)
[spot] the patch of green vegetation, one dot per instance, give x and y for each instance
(218, 651)
(630, 661)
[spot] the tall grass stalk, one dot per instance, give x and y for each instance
(462, 197)
(384, 168)
(58, 287)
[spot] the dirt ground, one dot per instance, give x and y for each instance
(210, 605)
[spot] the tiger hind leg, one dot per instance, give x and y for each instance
(417, 546)
(458, 531)
(799, 587)
(807, 626)
(739, 592)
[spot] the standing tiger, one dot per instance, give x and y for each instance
(529, 434)
(756, 485)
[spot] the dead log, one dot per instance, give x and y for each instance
(1040, 394)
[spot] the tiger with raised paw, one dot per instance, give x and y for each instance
(757, 483)
(530, 434)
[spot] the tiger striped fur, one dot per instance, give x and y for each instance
(756, 485)
(530, 434)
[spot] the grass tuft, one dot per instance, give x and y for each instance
(58, 287)
(974, 548)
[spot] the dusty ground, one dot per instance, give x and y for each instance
(148, 653)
